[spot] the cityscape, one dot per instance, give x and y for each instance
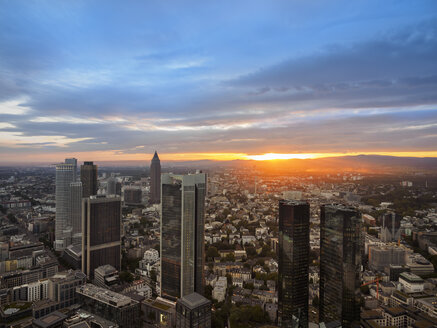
(212, 164)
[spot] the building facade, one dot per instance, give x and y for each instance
(88, 177)
(391, 227)
(64, 177)
(182, 234)
(76, 211)
(112, 306)
(155, 180)
(101, 233)
(193, 310)
(340, 265)
(294, 247)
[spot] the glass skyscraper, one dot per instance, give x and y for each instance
(182, 234)
(88, 177)
(340, 265)
(64, 177)
(101, 233)
(294, 247)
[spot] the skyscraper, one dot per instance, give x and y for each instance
(155, 180)
(182, 234)
(72, 161)
(340, 264)
(101, 233)
(76, 211)
(391, 227)
(88, 177)
(64, 177)
(294, 247)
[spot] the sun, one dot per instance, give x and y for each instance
(273, 156)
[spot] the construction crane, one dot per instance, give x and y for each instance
(377, 285)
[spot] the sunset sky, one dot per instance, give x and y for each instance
(107, 80)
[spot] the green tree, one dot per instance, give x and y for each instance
(153, 275)
(126, 276)
(315, 302)
(212, 252)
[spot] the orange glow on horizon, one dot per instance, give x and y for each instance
(118, 155)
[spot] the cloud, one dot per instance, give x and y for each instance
(14, 107)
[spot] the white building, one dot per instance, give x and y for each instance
(411, 283)
(151, 255)
(37, 290)
(219, 291)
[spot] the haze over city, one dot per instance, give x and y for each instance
(216, 80)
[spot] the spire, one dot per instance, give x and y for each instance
(155, 157)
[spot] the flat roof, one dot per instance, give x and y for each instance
(194, 300)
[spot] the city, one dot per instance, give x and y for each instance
(218, 164)
(143, 246)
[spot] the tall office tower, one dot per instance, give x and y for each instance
(391, 227)
(64, 177)
(72, 161)
(193, 310)
(294, 249)
(76, 211)
(155, 180)
(340, 264)
(101, 233)
(88, 177)
(111, 186)
(182, 234)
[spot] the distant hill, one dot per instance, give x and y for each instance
(360, 163)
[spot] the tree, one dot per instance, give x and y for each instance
(315, 302)
(212, 252)
(230, 257)
(153, 275)
(12, 218)
(208, 292)
(126, 276)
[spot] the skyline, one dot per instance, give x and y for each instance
(101, 81)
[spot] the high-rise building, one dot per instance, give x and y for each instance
(72, 161)
(340, 265)
(155, 180)
(101, 233)
(182, 234)
(294, 248)
(132, 196)
(391, 227)
(88, 177)
(193, 310)
(76, 211)
(111, 186)
(64, 177)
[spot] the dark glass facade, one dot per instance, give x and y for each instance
(88, 177)
(294, 229)
(155, 180)
(340, 265)
(101, 236)
(182, 234)
(193, 310)
(171, 240)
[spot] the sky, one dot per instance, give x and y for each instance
(116, 80)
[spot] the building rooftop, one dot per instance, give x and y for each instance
(50, 319)
(103, 295)
(105, 269)
(194, 300)
(293, 202)
(411, 277)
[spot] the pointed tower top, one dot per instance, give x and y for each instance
(155, 156)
